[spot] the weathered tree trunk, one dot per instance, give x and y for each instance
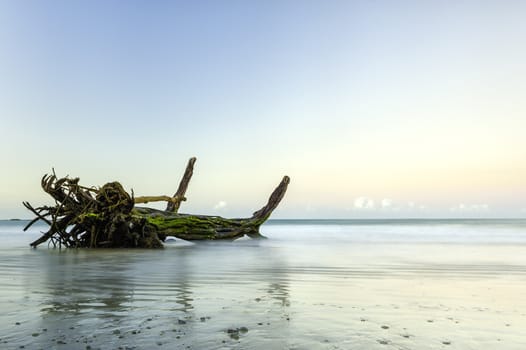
(179, 197)
(201, 227)
(106, 216)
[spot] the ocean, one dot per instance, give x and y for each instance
(313, 284)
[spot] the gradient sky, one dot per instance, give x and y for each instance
(373, 108)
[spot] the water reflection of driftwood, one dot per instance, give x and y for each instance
(181, 276)
(275, 278)
(275, 273)
(76, 284)
(279, 290)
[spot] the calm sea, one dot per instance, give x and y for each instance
(313, 284)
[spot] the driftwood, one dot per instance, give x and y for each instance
(107, 216)
(173, 206)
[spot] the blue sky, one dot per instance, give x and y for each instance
(374, 108)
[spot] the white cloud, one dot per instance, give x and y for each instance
(387, 206)
(470, 208)
(386, 203)
(364, 203)
(220, 205)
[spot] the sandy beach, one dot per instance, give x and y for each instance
(388, 115)
(311, 285)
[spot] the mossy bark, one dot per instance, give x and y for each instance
(202, 227)
(197, 227)
(107, 217)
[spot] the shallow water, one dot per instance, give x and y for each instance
(394, 284)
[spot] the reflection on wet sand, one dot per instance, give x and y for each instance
(271, 294)
(180, 280)
(75, 284)
(280, 292)
(100, 296)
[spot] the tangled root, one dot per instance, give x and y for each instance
(91, 217)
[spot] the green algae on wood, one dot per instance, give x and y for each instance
(107, 216)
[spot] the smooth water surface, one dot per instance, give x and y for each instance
(360, 284)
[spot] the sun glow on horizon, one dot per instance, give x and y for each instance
(414, 110)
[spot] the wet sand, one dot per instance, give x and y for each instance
(307, 287)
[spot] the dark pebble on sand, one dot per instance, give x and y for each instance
(181, 321)
(203, 319)
(35, 334)
(383, 342)
(430, 321)
(149, 319)
(385, 327)
(446, 342)
(234, 332)
(17, 323)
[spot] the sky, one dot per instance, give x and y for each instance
(375, 109)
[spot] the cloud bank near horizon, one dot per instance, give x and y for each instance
(421, 104)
